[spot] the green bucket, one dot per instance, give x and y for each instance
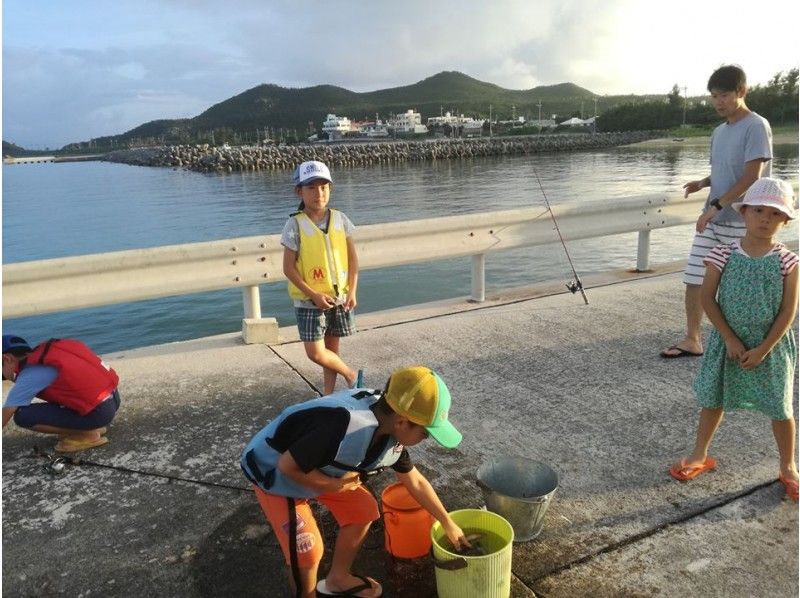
(487, 575)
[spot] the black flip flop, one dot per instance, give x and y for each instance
(322, 588)
(680, 353)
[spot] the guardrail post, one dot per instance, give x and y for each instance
(643, 252)
(478, 278)
(255, 329)
(252, 302)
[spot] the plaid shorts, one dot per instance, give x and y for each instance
(313, 324)
(713, 235)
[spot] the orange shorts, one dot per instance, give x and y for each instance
(352, 506)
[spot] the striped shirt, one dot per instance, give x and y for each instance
(719, 256)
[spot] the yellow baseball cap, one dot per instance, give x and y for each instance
(420, 394)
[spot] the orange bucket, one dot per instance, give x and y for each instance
(407, 525)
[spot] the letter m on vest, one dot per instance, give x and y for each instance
(317, 274)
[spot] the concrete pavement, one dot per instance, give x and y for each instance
(163, 509)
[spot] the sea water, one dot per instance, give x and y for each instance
(66, 209)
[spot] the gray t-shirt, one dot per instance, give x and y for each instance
(291, 235)
(733, 145)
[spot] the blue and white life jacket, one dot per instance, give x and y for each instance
(260, 459)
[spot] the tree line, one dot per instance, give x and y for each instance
(777, 101)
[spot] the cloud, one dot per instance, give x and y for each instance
(72, 71)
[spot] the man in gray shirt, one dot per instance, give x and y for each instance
(741, 150)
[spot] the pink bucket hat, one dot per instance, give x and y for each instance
(773, 193)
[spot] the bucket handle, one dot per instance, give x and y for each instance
(483, 485)
(531, 499)
(451, 565)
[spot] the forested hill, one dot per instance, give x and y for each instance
(292, 109)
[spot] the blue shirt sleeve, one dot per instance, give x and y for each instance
(29, 383)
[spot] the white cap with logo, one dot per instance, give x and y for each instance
(311, 171)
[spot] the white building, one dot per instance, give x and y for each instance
(545, 123)
(408, 122)
(449, 119)
(336, 126)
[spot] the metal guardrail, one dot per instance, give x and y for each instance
(65, 284)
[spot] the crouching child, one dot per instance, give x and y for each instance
(321, 449)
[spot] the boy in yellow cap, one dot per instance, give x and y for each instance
(320, 449)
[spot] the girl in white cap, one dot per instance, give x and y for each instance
(321, 264)
(750, 296)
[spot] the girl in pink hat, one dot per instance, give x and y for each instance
(750, 296)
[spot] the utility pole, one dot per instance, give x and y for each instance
(540, 115)
(490, 120)
(594, 123)
(684, 105)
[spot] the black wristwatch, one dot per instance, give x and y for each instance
(715, 202)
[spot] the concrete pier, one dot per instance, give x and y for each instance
(163, 509)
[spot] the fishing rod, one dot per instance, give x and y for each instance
(575, 284)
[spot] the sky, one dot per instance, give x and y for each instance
(77, 69)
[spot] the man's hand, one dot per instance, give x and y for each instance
(693, 187)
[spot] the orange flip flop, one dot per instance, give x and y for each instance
(791, 487)
(683, 472)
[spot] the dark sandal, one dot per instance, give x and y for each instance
(322, 588)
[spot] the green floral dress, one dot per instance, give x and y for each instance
(750, 295)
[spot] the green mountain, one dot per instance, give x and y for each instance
(16, 151)
(247, 115)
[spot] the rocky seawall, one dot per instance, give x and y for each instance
(205, 158)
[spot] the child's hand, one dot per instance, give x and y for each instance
(704, 219)
(349, 481)
(350, 303)
(735, 348)
(752, 358)
(456, 535)
(323, 301)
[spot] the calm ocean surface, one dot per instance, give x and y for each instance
(56, 210)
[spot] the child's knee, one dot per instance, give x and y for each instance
(23, 419)
(315, 351)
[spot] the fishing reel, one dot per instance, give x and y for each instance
(56, 466)
(574, 286)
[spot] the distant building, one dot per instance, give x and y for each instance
(468, 126)
(574, 122)
(472, 128)
(336, 126)
(545, 123)
(410, 122)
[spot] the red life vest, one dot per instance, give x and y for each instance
(83, 380)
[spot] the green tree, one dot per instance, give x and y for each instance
(776, 101)
(674, 97)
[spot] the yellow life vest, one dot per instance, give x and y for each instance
(321, 257)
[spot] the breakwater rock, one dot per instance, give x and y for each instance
(205, 158)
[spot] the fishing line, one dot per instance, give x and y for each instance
(56, 465)
(575, 284)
